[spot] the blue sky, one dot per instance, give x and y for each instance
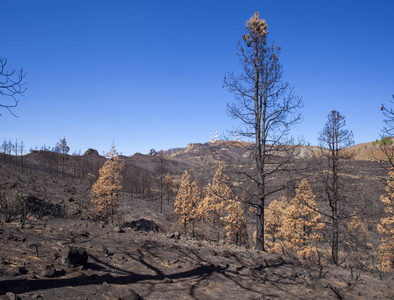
(149, 74)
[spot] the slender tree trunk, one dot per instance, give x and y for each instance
(335, 226)
(259, 110)
(218, 228)
(260, 227)
(334, 200)
(57, 168)
(112, 210)
(265, 110)
(335, 241)
(23, 214)
(161, 195)
(161, 183)
(185, 227)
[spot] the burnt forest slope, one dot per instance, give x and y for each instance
(162, 264)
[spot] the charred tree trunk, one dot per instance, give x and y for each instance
(112, 210)
(333, 139)
(267, 108)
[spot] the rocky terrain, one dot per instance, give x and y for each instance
(154, 265)
(154, 261)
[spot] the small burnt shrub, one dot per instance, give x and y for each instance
(40, 208)
(142, 225)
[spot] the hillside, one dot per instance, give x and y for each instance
(156, 265)
(368, 151)
(39, 174)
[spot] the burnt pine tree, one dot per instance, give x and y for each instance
(274, 220)
(386, 142)
(235, 221)
(267, 107)
(160, 171)
(333, 140)
(64, 149)
(388, 130)
(386, 226)
(168, 187)
(218, 196)
(105, 192)
(11, 86)
(301, 224)
(357, 232)
(187, 201)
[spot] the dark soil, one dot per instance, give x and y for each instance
(157, 267)
(154, 262)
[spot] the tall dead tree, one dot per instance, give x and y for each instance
(64, 149)
(386, 143)
(168, 186)
(11, 86)
(388, 130)
(160, 171)
(267, 108)
(21, 151)
(333, 140)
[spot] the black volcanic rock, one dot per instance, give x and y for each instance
(76, 256)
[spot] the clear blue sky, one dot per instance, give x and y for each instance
(149, 74)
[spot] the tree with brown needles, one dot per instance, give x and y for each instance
(187, 201)
(334, 139)
(11, 86)
(235, 223)
(302, 226)
(386, 226)
(357, 231)
(267, 108)
(105, 192)
(218, 196)
(273, 225)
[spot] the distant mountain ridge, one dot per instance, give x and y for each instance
(202, 155)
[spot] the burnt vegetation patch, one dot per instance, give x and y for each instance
(142, 225)
(41, 208)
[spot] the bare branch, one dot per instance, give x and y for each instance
(266, 107)
(11, 86)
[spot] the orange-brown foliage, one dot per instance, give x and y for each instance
(273, 222)
(105, 191)
(187, 200)
(357, 230)
(221, 208)
(302, 226)
(386, 226)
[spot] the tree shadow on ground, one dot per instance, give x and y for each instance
(24, 285)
